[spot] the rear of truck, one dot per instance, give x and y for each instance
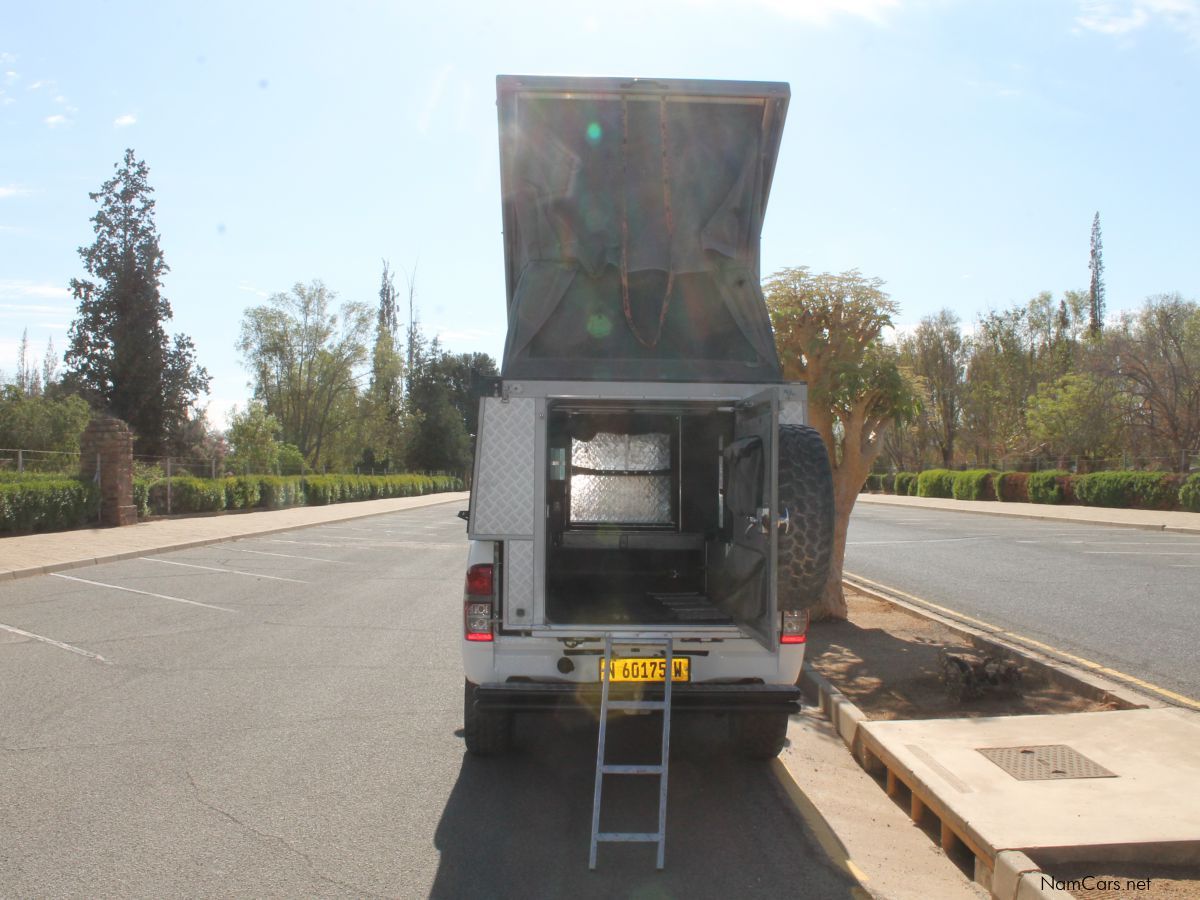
(641, 469)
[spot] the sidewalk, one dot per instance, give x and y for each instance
(1184, 522)
(37, 554)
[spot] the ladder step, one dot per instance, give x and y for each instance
(637, 704)
(628, 837)
(632, 770)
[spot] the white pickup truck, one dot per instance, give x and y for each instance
(641, 471)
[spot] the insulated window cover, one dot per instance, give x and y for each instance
(621, 478)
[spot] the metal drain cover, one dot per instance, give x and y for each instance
(1050, 761)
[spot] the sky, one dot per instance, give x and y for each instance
(957, 149)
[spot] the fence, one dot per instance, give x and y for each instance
(1074, 464)
(50, 462)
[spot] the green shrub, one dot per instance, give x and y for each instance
(874, 483)
(1141, 490)
(1011, 487)
(1051, 486)
(1189, 493)
(241, 492)
(188, 495)
(280, 491)
(906, 483)
(936, 483)
(973, 484)
(46, 504)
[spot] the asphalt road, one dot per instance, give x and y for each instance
(1126, 598)
(281, 716)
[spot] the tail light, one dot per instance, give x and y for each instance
(478, 602)
(795, 627)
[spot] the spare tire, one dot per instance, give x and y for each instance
(806, 503)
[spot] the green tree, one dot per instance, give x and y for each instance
(120, 357)
(938, 355)
(828, 332)
(39, 422)
(1096, 289)
(1155, 355)
(1077, 416)
(303, 357)
(383, 416)
(253, 440)
(443, 399)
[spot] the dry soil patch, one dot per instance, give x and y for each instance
(885, 660)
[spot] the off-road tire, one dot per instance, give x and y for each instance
(806, 494)
(759, 735)
(487, 732)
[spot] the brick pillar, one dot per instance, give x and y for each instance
(110, 442)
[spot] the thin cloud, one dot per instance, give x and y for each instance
(55, 121)
(12, 190)
(20, 288)
(125, 121)
(250, 289)
(1122, 17)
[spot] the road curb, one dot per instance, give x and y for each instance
(1058, 671)
(1013, 875)
(83, 562)
(1005, 511)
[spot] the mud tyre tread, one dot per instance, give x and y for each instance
(806, 492)
(487, 732)
(760, 735)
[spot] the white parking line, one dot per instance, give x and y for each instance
(337, 562)
(1141, 553)
(307, 543)
(45, 640)
(170, 562)
(117, 587)
(923, 540)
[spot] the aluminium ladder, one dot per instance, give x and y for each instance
(664, 705)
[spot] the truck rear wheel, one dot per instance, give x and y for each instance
(487, 732)
(806, 493)
(760, 735)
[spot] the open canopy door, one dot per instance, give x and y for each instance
(632, 213)
(743, 577)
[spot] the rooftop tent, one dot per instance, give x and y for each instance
(632, 211)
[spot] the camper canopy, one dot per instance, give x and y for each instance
(632, 212)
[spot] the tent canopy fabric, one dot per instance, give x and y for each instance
(632, 213)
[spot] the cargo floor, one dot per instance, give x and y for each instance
(599, 608)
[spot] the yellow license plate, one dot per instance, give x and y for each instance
(637, 669)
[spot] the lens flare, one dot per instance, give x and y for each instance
(599, 326)
(594, 132)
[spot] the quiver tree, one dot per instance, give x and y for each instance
(828, 330)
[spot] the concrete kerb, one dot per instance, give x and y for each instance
(456, 497)
(1014, 875)
(1058, 672)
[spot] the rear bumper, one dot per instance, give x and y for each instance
(685, 698)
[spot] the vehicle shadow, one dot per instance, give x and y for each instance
(520, 825)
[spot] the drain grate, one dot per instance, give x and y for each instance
(1050, 761)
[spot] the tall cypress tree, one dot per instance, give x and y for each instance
(120, 357)
(1096, 292)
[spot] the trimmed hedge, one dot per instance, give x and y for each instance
(200, 495)
(906, 484)
(1011, 487)
(1051, 486)
(936, 483)
(973, 484)
(1189, 493)
(1141, 490)
(46, 504)
(242, 492)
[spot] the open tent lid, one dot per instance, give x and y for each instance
(632, 213)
